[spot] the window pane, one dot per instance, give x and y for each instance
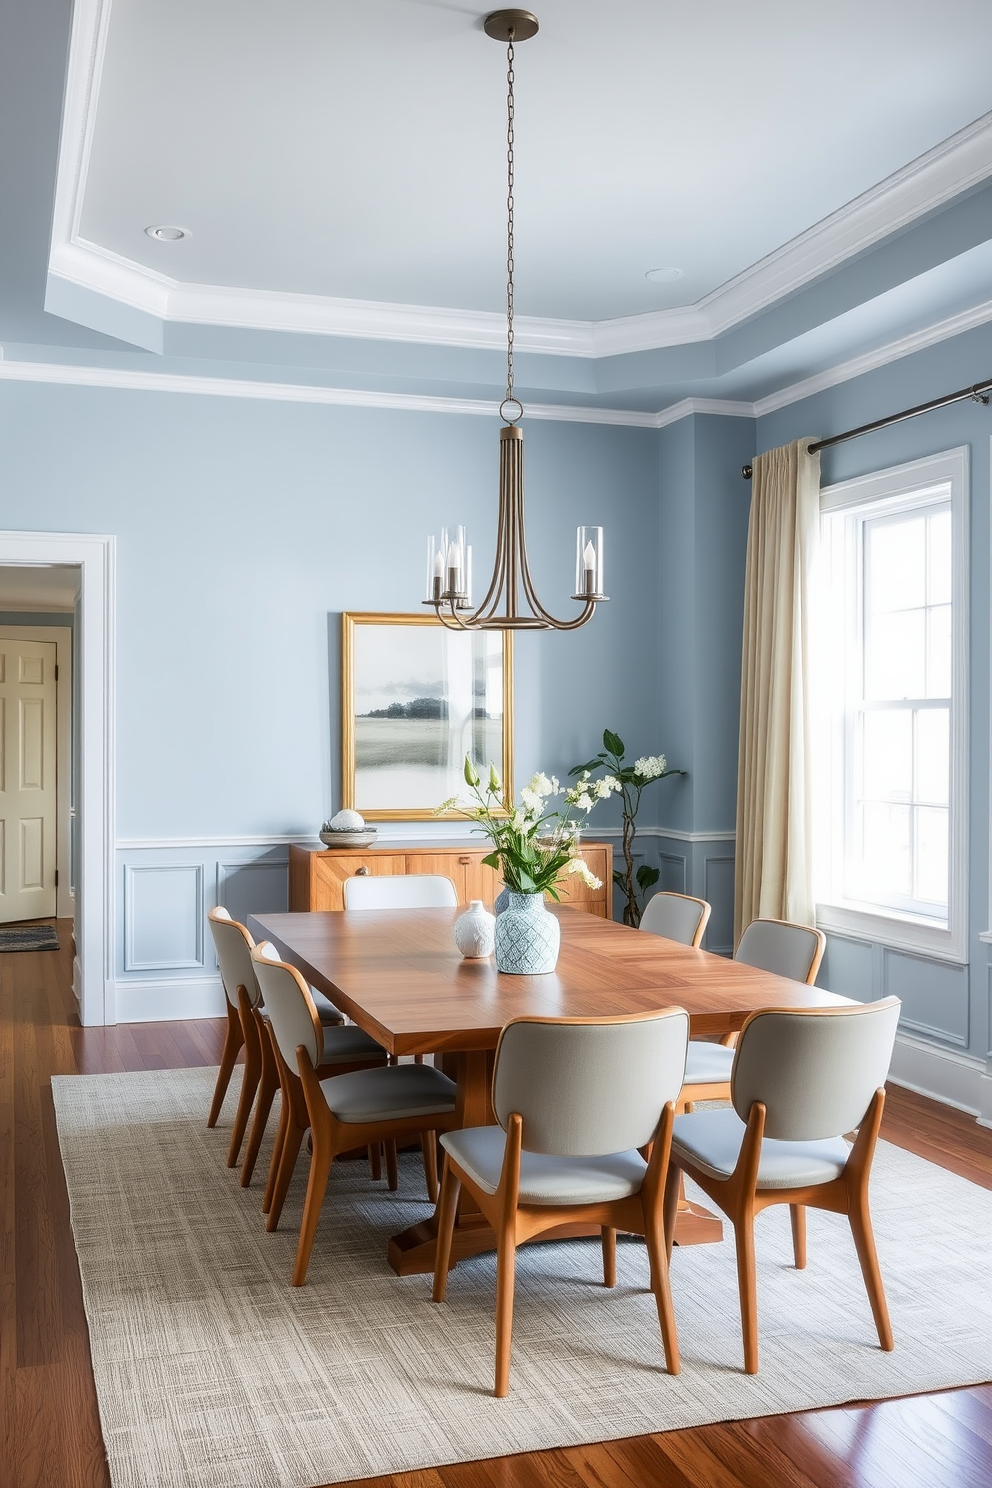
(931, 855)
(897, 566)
(885, 862)
(932, 755)
(887, 764)
(939, 578)
(895, 655)
(939, 651)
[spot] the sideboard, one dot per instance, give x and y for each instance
(316, 875)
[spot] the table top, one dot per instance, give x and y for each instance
(399, 975)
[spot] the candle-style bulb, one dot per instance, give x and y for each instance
(439, 564)
(589, 556)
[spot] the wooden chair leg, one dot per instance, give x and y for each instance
(673, 1192)
(506, 1268)
(267, 1086)
(375, 1160)
(447, 1209)
(320, 1167)
(249, 1081)
(233, 1039)
(609, 1256)
(797, 1213)
(747, 1284)
(864, 1241)
(280, 1139)
(658, 1248)
(428, 1146)
(292, 1141)
(392, 1171)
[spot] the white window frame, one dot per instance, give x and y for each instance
(901, 488)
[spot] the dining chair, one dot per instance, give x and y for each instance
(399, 891)
(344, 1104)
(676, 916)
(575, 1098)
(245, 1028)
(779, 946)
(801, 1079)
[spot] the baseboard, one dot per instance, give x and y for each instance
(957, 1080)
(166, 1000)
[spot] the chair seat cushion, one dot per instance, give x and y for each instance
(345, 1045)
(545, 1179)
(326, 1010)
(389, 1093)
(708, 1064)
(712, 1140)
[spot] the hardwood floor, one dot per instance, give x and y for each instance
(49, 1426)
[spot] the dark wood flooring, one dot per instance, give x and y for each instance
(49, 1425)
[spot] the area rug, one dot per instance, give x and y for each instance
(211, 1369)
(29, 938)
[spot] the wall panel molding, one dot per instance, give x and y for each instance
(163, 916)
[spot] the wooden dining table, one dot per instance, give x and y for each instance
(398, 974)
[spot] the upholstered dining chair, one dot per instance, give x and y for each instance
(575, 1098)
(399, 891)
(676, 916)
(801, 1079)
(344, 1107)
(779, 946)
(245, 1028)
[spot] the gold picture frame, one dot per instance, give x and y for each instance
(425, 682)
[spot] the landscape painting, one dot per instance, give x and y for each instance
(417, 698)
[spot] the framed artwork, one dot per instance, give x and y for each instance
(416, 698)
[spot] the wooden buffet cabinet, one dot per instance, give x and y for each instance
(316, 875)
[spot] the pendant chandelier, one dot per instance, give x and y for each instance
(449, 558)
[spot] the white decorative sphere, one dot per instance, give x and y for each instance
(345, 821)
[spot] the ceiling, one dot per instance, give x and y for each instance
(822, 181)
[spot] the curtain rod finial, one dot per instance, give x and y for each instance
(746, 472)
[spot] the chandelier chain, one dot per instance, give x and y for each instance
(509, 218)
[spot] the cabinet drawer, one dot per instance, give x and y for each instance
(327, 875)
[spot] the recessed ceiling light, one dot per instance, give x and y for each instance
(165, 234)
(664, 276)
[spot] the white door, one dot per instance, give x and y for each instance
(27, 779)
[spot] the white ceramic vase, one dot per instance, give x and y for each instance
(475, 931)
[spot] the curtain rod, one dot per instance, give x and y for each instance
(977, 393)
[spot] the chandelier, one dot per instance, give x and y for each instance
(449, 558)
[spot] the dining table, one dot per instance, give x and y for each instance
(398, 974)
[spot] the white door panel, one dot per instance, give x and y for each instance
(27, 779)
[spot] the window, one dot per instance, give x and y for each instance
(890, 682)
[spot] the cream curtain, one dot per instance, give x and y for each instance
(774, 870)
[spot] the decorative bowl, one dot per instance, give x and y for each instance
(350, 839)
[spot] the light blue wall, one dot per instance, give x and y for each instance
(946, 1005)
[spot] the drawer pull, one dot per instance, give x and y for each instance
(361, 872)
(464, 860)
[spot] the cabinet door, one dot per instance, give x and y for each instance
(328, 873)
(579, 895)
(481, 881)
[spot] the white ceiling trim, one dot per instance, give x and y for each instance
(127, 378)
(927, 183)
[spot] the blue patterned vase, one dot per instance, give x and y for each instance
(502, 901)
(527, 936)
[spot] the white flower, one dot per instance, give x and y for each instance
(520, 821)
(532, 803)
(650, 766)
(541, 785)
(584, 801)
(576, 865)
(603, 788)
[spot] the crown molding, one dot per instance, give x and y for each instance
(922, 186)
(720, 406)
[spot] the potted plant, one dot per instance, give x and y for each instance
(532, 847)
(629, 780)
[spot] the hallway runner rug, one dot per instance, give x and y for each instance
(210, 1369)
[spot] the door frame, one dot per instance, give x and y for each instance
(96, 557)
(61, 637)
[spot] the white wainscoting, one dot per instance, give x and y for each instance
(700, 863)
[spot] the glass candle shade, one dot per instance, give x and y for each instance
(589, 563)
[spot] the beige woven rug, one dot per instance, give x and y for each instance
(210, 1369)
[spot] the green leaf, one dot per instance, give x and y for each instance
(526, 882)
(619, 880)
(613, 743)
(471, 773)
(492, 860)
(647, 876)
(589, 765)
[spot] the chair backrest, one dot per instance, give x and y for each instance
(290, 1007)
(234, 946)
(815, 1070)
(676, 916)
(588, 1086)
(793, 951)
(400, 891)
